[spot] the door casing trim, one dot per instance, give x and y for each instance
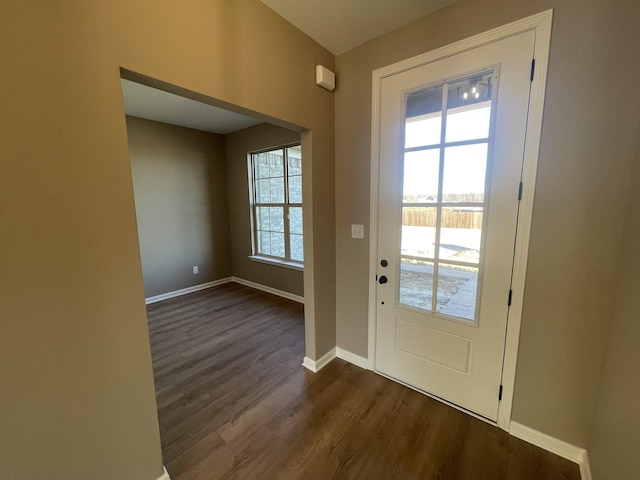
(541, 24)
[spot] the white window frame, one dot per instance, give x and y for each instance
(256, 256)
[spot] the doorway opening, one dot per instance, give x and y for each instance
(205, 288)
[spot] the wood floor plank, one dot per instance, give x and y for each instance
(255, 452)
(234, 402)
(216, 413)
(208, 459)
(256, 417)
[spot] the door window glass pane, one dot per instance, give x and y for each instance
(420, 182)
(422, 131)
(468, 124)
(419, 231)
(423, 117)
(460, 234)
(416, 283)
(469, 108)
(457, 291)
(464, 173)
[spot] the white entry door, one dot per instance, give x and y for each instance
(452, 139)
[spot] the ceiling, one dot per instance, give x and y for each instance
(340, 25)
(153, 104)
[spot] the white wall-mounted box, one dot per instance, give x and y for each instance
(325, 78)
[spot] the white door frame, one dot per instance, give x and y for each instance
(541, 24)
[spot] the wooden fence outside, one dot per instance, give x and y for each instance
(451, 217)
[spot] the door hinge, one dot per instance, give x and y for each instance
(520, 191)
(533, 68)
(510, 294)
(500, 393)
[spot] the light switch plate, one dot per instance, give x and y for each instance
(357, 231)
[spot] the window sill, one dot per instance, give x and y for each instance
(277, 263)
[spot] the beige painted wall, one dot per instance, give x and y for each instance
(77, 396)
(615, 438)
(591, 111)
(238, 145)
(180, 188)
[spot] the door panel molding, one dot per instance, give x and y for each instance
(541, 25)
(450, 351)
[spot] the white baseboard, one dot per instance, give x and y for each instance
(264, 288)
(222, 281)
(165, 475)
(345, 355)
(185, 291)
(357, 360)
(561, 448)
(317, 365)
(309, 364)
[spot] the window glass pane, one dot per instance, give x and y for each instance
(423, 117)
(297, 250)
(295, 189)
(262, 216)
(469, 108)
(277, 189)
(420, 184)
(419, 231)
(277, 244)
(261, 162)
(263, 191)
(468, 124)
(422, 131)
(460, 234)
(276, 163)
(416, 284)
(457, 288)
(464, 173)
(264, 242)
(295, 160)
(295, 220)
(276, 219)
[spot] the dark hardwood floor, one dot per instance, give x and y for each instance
(234, 402)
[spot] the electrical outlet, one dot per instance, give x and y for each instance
(195, 269)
